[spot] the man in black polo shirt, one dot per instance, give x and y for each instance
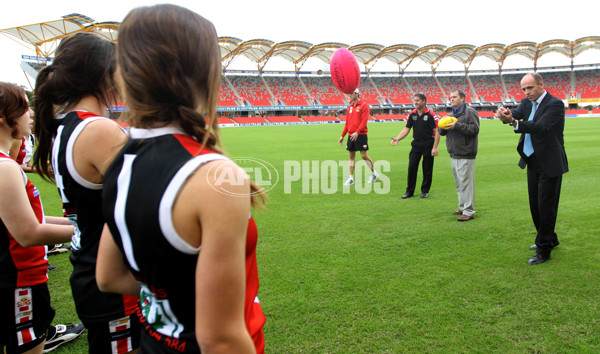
(425, 143)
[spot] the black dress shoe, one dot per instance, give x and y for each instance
(424, 195)
(539, 257)
(407, 195)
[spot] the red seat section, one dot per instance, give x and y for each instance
(283, 119)
(488, 87)
(251, 89)
(287, 90)
(226, 96)
(248, 120)
(588, 83)
(320, 119)
(426, 85)
(393, 89)
(322, 90)
(451, 83)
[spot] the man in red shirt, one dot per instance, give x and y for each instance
(357, 116)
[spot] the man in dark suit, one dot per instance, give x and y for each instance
(540, 119)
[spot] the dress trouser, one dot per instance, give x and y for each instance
(544, 194)
(413, 167)
(464, 176)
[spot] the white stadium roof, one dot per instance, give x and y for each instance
(44, 38)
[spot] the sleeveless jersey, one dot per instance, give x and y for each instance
(22, 266)
(26, 150)
(85, 198)
(140, 188)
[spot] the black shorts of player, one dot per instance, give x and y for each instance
(360, 144)
(30, 306)
(117, 336)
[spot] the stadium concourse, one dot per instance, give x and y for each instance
(262, 97)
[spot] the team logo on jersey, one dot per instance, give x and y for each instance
(24, 301)
(36, 192)
(350, 110)
(425, 118)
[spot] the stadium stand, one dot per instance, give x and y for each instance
(368, 92)
(451, 83)
(224, 120)
(393, 89)
(390, 116)
(486, 114)
(513, 86)
(559, 83)
(227, 97)
(488, 87)
(283, 119)
(428, 85)
(322, 89)
(243, 90)
(320, 119)
(576, 111)
(377, 90)
(288, 90)
(251, 89)
(249, 120)
(588, 83)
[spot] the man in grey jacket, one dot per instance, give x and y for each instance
(461, 142)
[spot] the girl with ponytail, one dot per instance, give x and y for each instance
(75, 146)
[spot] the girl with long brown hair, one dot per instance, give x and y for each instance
(178, 233)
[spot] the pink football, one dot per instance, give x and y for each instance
(344, 70)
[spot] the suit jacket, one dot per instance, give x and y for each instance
(546, 131)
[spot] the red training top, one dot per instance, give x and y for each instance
(356, 118)
(22, 266)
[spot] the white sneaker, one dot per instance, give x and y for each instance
(63, 334)
(349, 182)
(58, 248)
(373, 177)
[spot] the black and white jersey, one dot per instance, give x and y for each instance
(86, 199)
(141, 186)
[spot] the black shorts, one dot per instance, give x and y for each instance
(26, 316)
(360, 144)
(120, 335)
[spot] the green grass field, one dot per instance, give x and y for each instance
(368, 272)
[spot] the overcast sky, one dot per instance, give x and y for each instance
(351, 22)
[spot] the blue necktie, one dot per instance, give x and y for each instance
(527, 147)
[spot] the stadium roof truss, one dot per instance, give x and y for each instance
(322, 51)
(367, 53)
(291, 51)
(45, 36)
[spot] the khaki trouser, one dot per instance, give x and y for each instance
(464, 176)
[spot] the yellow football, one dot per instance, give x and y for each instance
(445, 121)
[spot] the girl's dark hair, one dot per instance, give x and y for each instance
(170, 62)
(84, 65)
(13, 105)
